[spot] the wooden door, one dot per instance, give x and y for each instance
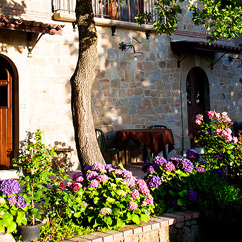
(6, 119)
(197, 100)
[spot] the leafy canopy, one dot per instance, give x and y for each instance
(221, 18)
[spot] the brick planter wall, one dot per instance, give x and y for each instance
(174, 227)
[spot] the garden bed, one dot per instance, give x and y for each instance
(178, 226)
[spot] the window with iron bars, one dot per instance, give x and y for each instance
(124, 10)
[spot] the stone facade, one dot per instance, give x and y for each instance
(126, 93)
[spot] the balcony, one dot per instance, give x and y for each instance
(120, 10)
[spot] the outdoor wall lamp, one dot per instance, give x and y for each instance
(231, 59)
(125, 47)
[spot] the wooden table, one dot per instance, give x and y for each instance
(155, 139)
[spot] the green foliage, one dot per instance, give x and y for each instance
(217, 199)
(35, 161)
(12, 206)
(220, 18)
(57, 230)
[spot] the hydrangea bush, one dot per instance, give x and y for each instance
(222, 149)
(112, 196)
(168, 181)
(12, 206)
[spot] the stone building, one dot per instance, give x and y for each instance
(174, 77)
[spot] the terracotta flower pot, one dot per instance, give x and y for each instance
(30, 233)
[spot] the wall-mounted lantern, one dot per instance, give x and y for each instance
(125, 47)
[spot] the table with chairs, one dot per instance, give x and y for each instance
(156, 138)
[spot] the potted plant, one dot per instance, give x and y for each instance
(35, 161)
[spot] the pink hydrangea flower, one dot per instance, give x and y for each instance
(131, 181)
(134, 194)
(133, 205)
(98, 167)
(102, 178)
(93, 183)
(143, 188)
(149, 200)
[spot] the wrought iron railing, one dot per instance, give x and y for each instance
(124, 10)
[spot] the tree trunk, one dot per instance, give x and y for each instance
(81, 86)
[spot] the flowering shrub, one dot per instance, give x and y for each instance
(168, 182)
(112, 196)
(222, 149)
(35, 160)
(12, 206)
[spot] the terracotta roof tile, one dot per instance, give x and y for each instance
(7, 22)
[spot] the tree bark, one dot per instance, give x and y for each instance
(81, 86)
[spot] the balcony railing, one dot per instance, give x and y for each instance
(124, 10)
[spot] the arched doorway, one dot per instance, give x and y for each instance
(8, 101)
(197, 92)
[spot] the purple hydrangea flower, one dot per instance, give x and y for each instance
(102, 178)
(169, 166)
(154, 181)
(134, 194)
(185, 165)
(151, 170)
(12, 200)
(78, 177)
(174, 160)
(91, 175)
(159, 160)
(192, 155)
(192, 196)
(21, 202)
(109, 167)
(93, 183)
(9, 187)
(98, 167)
(220, 173)
(88, 167)
(219, 156)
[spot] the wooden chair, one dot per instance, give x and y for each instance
(158, 126)
(103, 144)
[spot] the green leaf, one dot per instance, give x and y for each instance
(135, 218)
(108, 220)
(11, 227)
(77, 214)
(144, 217)
(172, 193)
(180, 202)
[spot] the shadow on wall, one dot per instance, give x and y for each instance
(11, 8)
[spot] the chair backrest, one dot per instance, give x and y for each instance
(101, 140)
(157, 127)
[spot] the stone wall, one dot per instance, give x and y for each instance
(126, 93)
(175, 227)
